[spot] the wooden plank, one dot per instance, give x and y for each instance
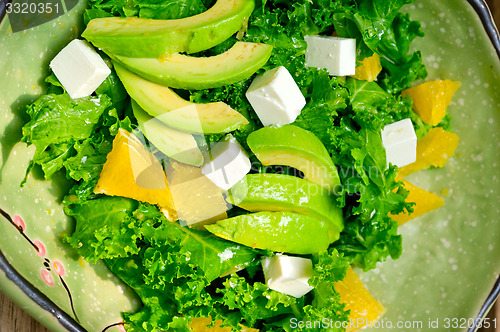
(497, 315)
(495, 9)
(14, 319)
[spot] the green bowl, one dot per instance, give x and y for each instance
(450, 263)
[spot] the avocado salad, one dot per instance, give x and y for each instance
(308, 186)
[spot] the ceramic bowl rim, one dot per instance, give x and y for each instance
(482, 10)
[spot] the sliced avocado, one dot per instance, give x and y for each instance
(279, 192)
(186, 72)
(277, 231)
(162, 103)
(149, 38)
(293, 146)
(176, 144)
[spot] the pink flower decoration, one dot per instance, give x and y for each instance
(19, 222)
(122, 328)
(58, 268)
(47, 278)
(41, 248)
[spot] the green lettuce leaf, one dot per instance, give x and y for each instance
(57, 122)
(370, 235)
(105, 227)
(379, 27)
(329, 268)
(213, 255)
(58, 119)
(165, 10)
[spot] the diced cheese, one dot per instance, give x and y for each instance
(336, 55)
(275, 97)
(229, 163)
(79, 68)
(288, 274)
(400, 143)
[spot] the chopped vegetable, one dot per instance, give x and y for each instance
(280, 192)
(434, 149)
(278, 231)
(296, 147)
(431, 99)
(133, 172)
(200, 325)
(369, 69)
(363, 308)
(424, 202)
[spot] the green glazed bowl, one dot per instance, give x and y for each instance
(451, 257)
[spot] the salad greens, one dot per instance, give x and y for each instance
(175, 270)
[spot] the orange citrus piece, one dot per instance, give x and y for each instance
(369, 69)
(197, 200)
(364, 308)
(433, 149)
(133, 172)
(430, 99)
(200, 325)
(424, 202)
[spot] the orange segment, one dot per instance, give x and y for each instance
(433, 149)
(430, 99)
(424, 202)
(197, 200)
(369, 69)
(364, 308)
(132, 171)
(200, 325)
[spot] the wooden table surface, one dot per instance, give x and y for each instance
(14, 319)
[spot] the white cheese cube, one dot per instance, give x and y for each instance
(400, 143)
(229, 163)
(288, 274)
(79, 68)
(336, 55)
(275, 97)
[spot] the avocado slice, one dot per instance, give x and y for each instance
(149, 38)
(181, 71)
(162, 103)
(279, 192)
(282, 231)
(176, 144)
(293, 146)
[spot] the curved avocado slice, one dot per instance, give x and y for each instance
(176, 144)
(186, 72)
(149, 38)
(296, 147)
(277, 231)
(279, 192)
(162, 103)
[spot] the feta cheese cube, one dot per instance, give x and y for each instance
(229, 163)
(400, 143)
(79, 68)
(275, 97)
(288, 274)
(336, 55)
